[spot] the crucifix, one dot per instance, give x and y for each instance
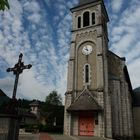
(17, 70)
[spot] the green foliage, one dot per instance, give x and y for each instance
(4, 4)
(31, 128)
(23, 103)
(51, 129)
(55, 113)
(54, 99)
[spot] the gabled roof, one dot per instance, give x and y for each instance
(85, 102)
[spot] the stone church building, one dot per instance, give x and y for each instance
(98, 101)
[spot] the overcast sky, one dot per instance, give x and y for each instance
(40, 29)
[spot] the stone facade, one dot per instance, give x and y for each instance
(136, 112)
(102, 89)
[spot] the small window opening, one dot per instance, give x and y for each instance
(93, 18)
(79, 22)
(86, 73)
(86, 19)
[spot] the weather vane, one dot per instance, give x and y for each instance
(17, 70)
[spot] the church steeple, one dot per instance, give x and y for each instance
(91, 93)
(87, 71)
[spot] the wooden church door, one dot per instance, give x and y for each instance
(86, 124)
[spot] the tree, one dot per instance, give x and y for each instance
(54, 98)
(55, 112)
(4, 4)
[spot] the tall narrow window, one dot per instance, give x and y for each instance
(93, 18)
(86, 19)
(79, 22)
(87, 74)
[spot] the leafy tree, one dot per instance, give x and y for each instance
(54, 98)
(4, 4)
(55, 112)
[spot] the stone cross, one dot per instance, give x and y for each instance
(17, 70)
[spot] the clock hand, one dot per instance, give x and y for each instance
(86, 48)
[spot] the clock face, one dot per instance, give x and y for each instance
(87, 49)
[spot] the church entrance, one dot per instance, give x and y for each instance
(86, 124)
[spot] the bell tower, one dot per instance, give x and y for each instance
(87, 102)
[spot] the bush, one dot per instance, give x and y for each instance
(31, 128)
(51, 129)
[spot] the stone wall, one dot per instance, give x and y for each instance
(136, 115)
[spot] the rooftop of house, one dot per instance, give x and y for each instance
(34, 103)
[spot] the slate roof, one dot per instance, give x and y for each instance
(82, 2)
(137, 97)
(85, 102)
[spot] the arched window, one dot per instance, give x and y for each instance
(86, 19)
(79, 22)
(93, 18)
(87, 74)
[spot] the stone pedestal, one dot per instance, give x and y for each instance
(9, 127)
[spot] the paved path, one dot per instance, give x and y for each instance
(45, 136)
(28, 136)
(63, 137)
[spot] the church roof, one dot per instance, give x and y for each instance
(85, 102)
(137, 97)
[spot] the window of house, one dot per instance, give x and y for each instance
(93, 18)
(79, 22)
(86, 19)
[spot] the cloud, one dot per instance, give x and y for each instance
(117, 5)
(134, 71)
(7, 84)
(41, 30)
(28, 28)
(124, 37)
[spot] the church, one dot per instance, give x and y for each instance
(98, 101)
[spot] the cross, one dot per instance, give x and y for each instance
(17, 70)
